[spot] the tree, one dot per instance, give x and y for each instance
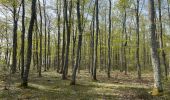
(49, 46)
(161, 40)
(96, 42)
(45, 30)
(137, 41)
(58, 24)
(40, 54)
(109, 51)
(64, 43)
(15, 28)
(79, 44)
(92, 41)
(23, 38)
(29, 47)
(154, 52)
(67, 23)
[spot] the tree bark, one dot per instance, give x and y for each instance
(137, 42)
(154, 52)
(29, 47)
(15, 27)
(109, 51)
(45, 29)
(58, 53)
(49, 46)
(79, 44)
(23, 38)
(40, 54)
(65, 68)
(161, 41)
(96, 41)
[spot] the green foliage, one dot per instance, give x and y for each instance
(123, 4)
(13, 3)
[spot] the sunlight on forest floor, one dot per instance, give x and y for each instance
(51, 87)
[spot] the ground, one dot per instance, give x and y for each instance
(51, 87)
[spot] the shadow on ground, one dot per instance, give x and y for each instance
(51, 87)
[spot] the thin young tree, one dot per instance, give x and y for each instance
(161, 40)
(137, 41)
(15, 28)
(23, 38)
(58, 24)
(109, 47)
(63, 45)
(45, 31)
(49, 44)
(96, 42)
(73, 81)
(67, 23)
(40, 54)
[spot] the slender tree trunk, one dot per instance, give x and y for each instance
(161, 40)
(23, 38)
(137, 42)
(96, 44)
(64, 43)
(79, 44)
(68, 41)
(74, 44)
(100, 49)
(169, 26)
(105, 40)
(154, 53)
(45, 29)
(92, 42)
(123, 45)
(109, 51)
(36, 47)
(29, 47)
(144, 51)
(49, 46)
(7, 41)
(40, 54)
(59, 14)
(15, 27)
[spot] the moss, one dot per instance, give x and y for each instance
(156, 92)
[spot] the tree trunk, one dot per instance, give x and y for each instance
(49, 46)
(45, 29)
(109, 51)
(23, 38)
(40, 54)
(68, 40)
(137, 42)
(74, 44)
(161, 41)
(92, 41)
(15, 27)
(96, 44)
(37, 45)
(154, 52)
(79, 44)
(59, 14)
(7, 41)
(64, 43)
(29, 47)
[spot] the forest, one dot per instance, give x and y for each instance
(84, 49)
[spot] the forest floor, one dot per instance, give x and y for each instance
(51, 87)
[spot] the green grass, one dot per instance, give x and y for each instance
(51, 87)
